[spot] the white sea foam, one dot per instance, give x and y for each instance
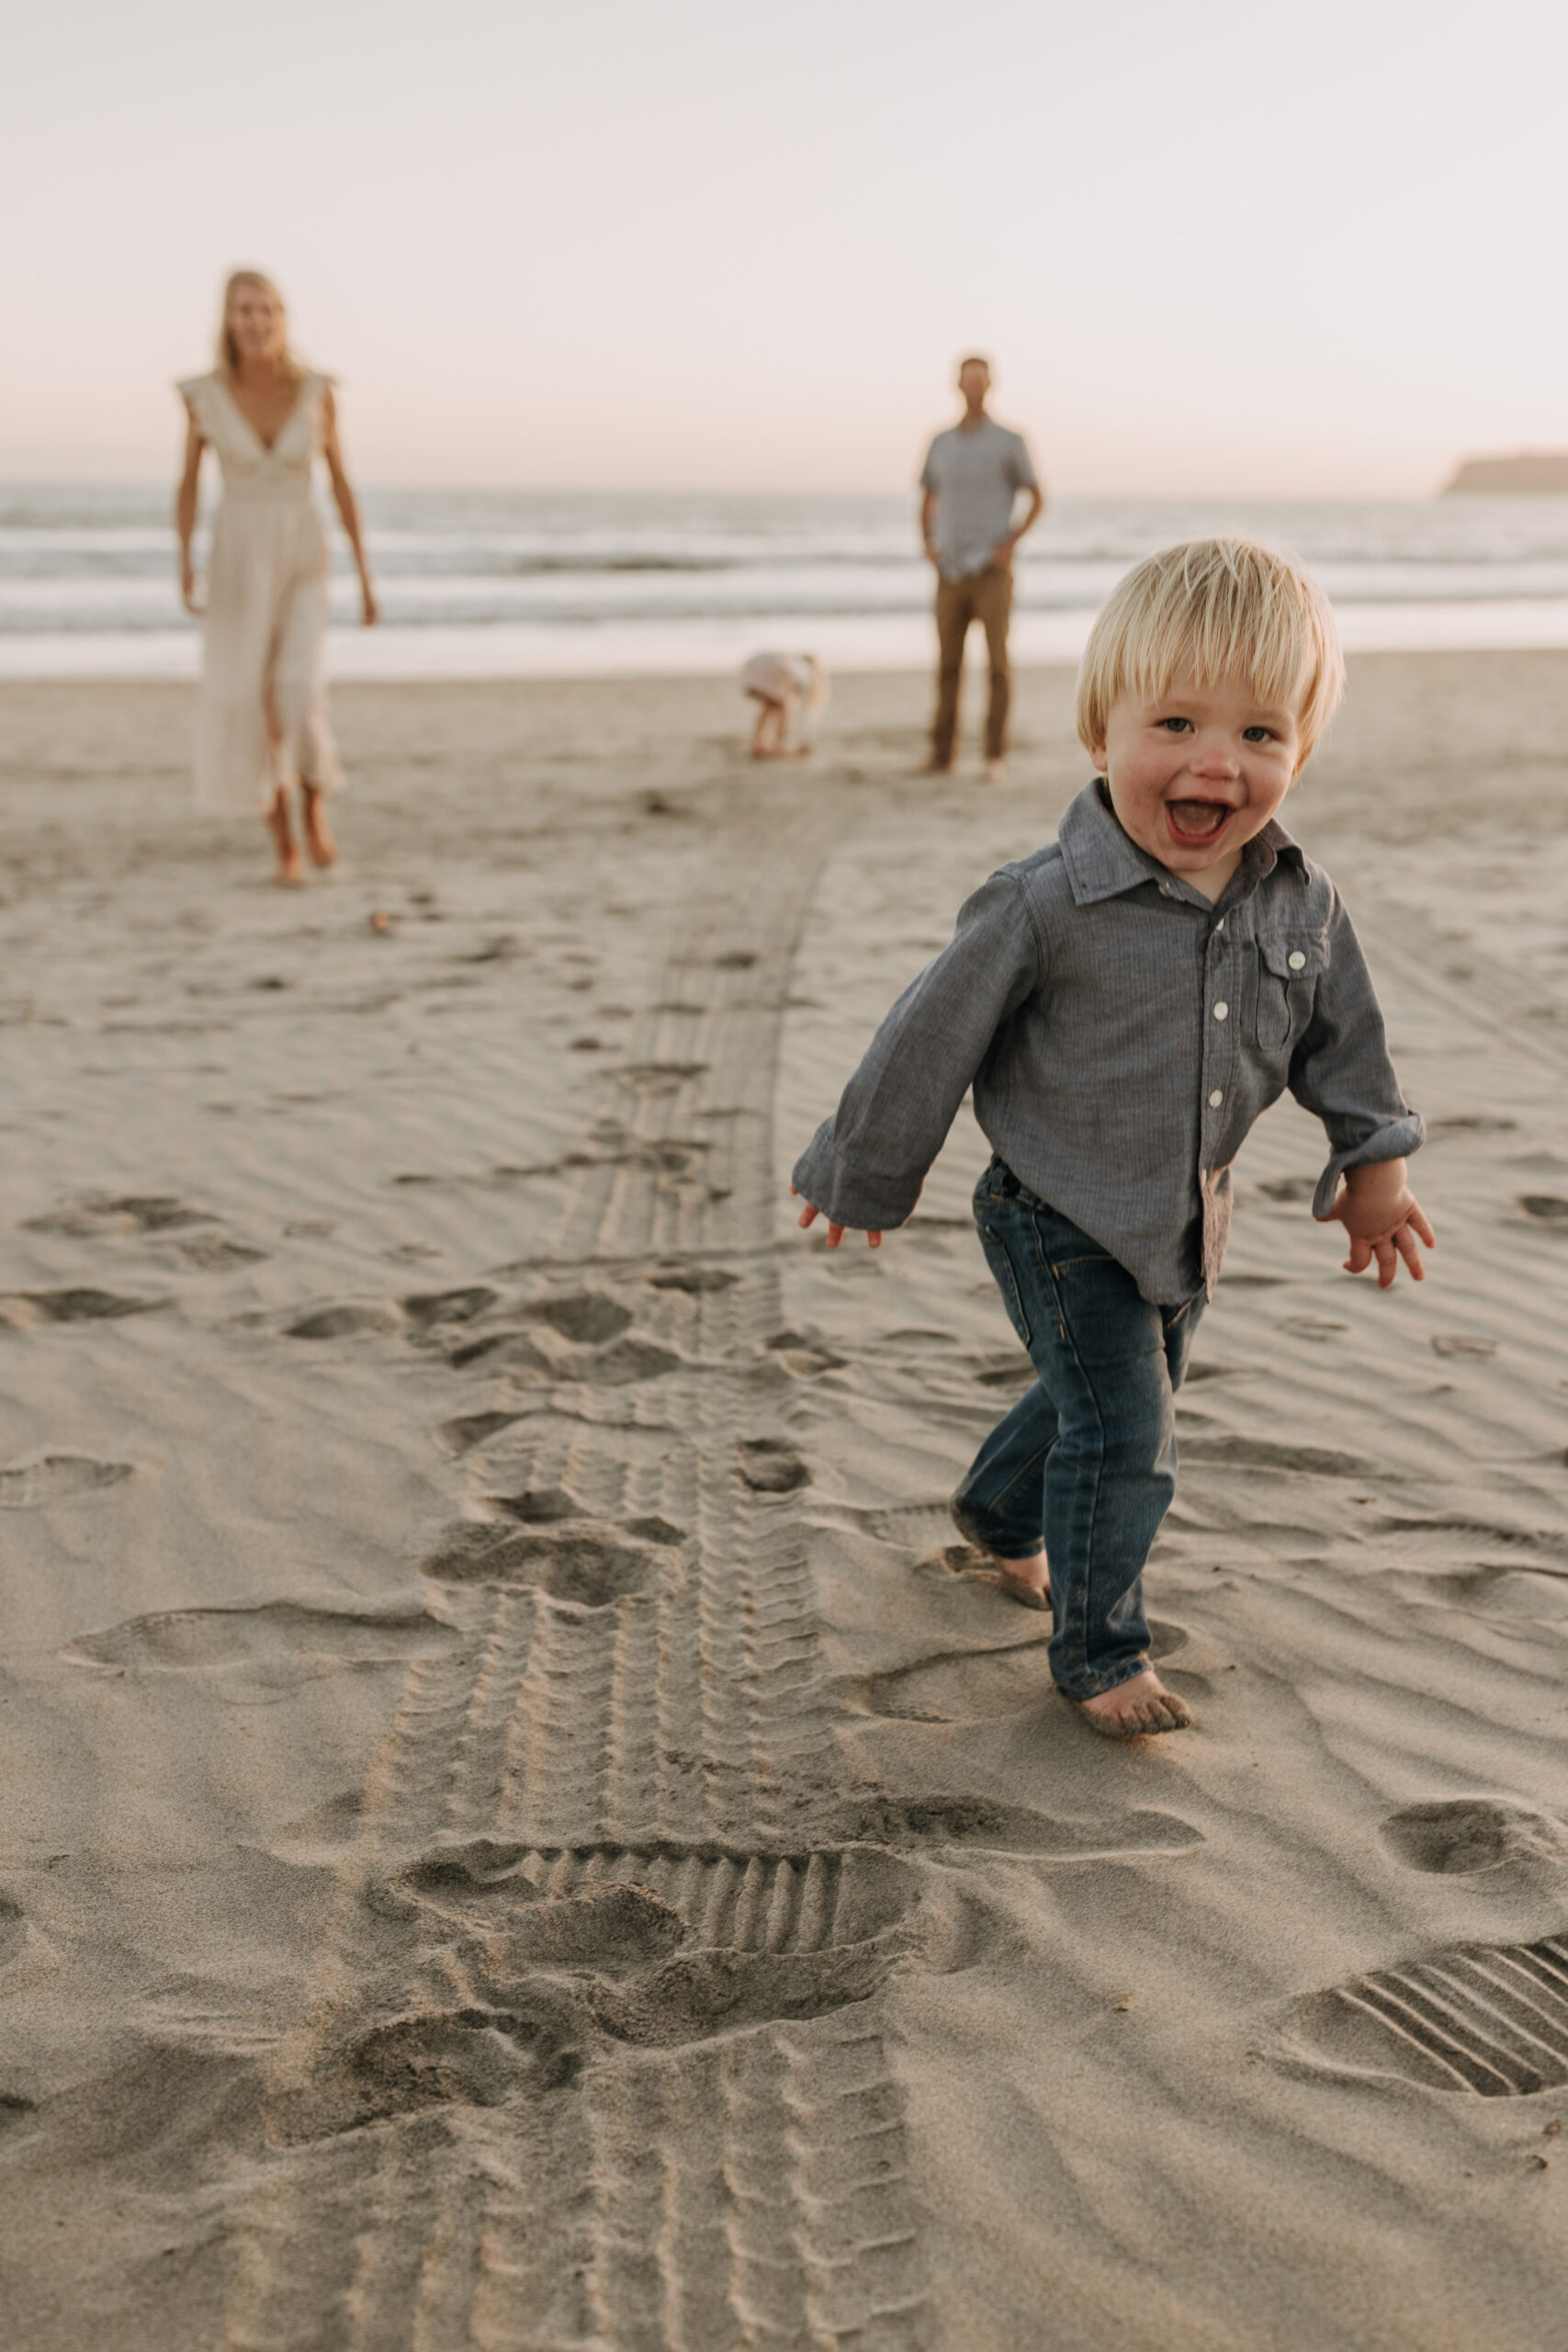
(515, 583)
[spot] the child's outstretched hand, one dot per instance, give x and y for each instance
(1384, 1220)
(808, 1216)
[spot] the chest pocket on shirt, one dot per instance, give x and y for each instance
(1289, 966)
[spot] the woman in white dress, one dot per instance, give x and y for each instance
(263, 724)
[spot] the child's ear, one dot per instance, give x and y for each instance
(1096, 753)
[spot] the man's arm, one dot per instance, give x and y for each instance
(1001, 554)
(927, 525)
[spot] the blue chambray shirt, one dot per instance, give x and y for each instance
(1122, 1035)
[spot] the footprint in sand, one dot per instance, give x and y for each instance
(652, 1947)
(55, 1478)
(1461, 1836)
(1491, 2019)
(460, 1436)
(587, 1316)
(667, 1944)
(769, 1466)
(467, 2057)
(212, 1253)
(1546, 1208)
(135, 1213)
(802, 1357)
(427, 1309)
(538, 1506)
(585, 1565)
(26, 1309)
(182, 1639)
(346, 1321)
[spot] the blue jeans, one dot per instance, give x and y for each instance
(1086, 1460)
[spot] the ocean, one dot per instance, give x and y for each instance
(520, 584)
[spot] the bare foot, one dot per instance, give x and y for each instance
(318, 833)
(1143, 1704)
(1028, 1581)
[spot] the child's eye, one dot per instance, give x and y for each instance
(1176, 725)
(1258, 734)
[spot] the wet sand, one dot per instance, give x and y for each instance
(524, 1827)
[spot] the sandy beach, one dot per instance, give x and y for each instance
(524, 1827)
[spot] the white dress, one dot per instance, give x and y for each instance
(267, 607)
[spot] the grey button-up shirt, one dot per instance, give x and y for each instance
(1122, 1035)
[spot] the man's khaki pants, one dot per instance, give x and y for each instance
(985, 597)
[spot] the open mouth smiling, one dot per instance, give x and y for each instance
(1195, 824)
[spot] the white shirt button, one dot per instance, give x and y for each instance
(1220, 1009)
(1296, 960)
(1216, 1098)
(1221, 924)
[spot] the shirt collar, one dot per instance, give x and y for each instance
(1102, 861)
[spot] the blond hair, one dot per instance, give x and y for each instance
(228, 357)
(1214, 609)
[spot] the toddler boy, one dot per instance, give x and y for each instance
(1126, 1004)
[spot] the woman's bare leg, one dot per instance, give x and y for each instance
(289, 868)
(318, 833)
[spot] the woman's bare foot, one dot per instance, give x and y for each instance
(1140, 1705)
(318, 833)
(290, 871)
(1028, 1581)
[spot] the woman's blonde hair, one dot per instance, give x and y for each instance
(1214, 609)
(228, 357)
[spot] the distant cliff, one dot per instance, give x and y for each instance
(1536, 473)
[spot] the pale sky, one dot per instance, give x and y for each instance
(1215, 245)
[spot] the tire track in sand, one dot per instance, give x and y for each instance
(595, 1827)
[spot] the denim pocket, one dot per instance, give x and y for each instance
(1001, 1267)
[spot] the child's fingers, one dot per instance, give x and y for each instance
(1360, 1256)
(1405, 1241)
(808, 1216)
(1423, 1224)
(875, 1240)
(835, 1235)
(1388, 1260)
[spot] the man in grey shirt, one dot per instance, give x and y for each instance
(970, 479)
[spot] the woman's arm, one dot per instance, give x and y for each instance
(185, 509)
(347, 506)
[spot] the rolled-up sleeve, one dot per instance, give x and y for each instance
(865, 1165)
(1341, 1070)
